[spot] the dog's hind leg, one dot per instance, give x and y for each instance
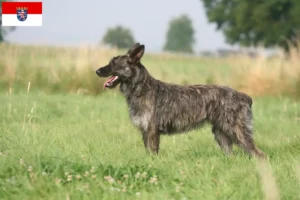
(223, 140)
(243, 138)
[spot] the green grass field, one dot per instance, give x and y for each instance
(82, 147)
(61, 144)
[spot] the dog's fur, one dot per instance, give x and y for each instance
(157, 107)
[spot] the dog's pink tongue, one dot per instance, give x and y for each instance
(108, 81)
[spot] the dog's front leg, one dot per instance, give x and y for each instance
(151, 141)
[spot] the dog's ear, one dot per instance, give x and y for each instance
(133, 48)
(137, 53)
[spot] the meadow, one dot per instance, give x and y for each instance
(63, 137)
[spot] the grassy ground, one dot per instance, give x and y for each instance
(83, 147)
(59, 143)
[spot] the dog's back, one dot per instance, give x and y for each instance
(182, 108)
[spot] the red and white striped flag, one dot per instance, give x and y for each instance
(22, 14)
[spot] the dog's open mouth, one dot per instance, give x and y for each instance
(111, 82)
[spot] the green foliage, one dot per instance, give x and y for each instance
(84, 147)
(119, 36)
(180, 35)
(252, 23)
(4, 30)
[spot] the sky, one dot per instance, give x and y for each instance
(77, 22)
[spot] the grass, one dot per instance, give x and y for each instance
(56, 142)
(84, 147)
(72, 70)
(271, 76)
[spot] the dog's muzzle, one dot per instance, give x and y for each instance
(98, 72)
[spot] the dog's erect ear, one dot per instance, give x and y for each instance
(137, 53)
(133, 48)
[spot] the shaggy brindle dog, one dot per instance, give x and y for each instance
(158, 108)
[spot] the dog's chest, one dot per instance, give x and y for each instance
(140, 114)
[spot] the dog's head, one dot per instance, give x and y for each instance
(122, 68)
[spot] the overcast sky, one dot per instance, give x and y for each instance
(75, 22)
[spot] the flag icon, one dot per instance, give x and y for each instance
(22, 14)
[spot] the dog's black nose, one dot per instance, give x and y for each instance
(98, 72)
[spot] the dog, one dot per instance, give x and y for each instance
(157, 108)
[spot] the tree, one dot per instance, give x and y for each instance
(119, 36)
(180, 35)
(4, 30)
(257, 22)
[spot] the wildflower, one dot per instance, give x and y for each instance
(86, 174)
(31, 175)
(115, 189)
(144, 174)
(153, 180)
(92, 170)
(44, 173)
(57, 181)
(78, 176)
(94, 176)
(69, 178)
(109, 179)
(30, 168)
(137, 175)
(125, 175)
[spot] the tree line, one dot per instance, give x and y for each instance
(179, 37)
(274, 23)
